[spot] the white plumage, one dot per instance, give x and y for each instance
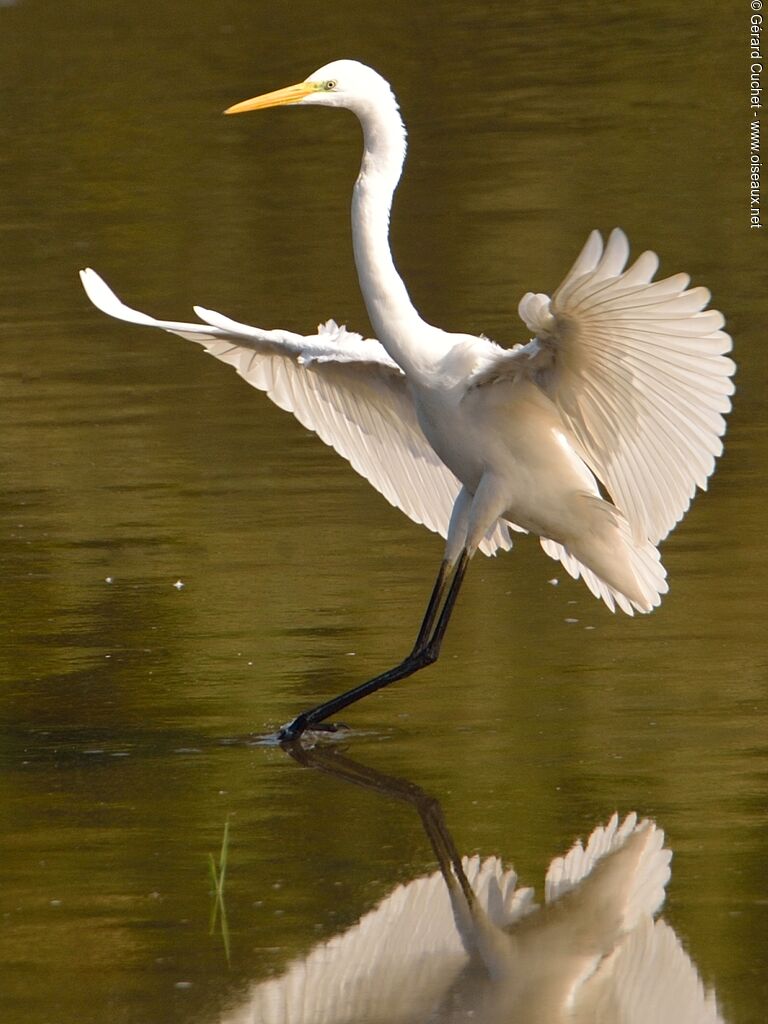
(635, 368)
(345, 389)
(625, 384)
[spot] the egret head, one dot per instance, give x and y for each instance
(342, 83)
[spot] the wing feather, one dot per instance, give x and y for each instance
(345, 389)
(639, 371)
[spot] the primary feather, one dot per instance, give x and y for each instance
(345, 389)
(638, 371)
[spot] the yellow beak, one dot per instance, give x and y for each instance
(291, 94)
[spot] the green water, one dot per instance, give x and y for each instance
(126, 706)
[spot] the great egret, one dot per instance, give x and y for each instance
(625, 381)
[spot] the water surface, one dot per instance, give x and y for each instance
(131, 463)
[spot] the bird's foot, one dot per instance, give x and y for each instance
(293, 730)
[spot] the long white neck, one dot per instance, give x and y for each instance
(397, 323)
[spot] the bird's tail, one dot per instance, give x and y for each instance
(616, 568)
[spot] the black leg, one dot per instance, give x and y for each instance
(425, 652)
(433, 606)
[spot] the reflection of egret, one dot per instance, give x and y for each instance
(466, 944)
(625, 381)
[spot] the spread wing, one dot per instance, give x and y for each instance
(639, 373)
(345, 389)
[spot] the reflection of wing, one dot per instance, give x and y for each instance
(392, 966)
(650, 978)
(638, 372)
(595, 897)
(643, 881)
(592, 953)
(347, 390)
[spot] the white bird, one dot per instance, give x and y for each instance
(624, 384)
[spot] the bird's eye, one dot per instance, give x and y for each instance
(330, 85)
